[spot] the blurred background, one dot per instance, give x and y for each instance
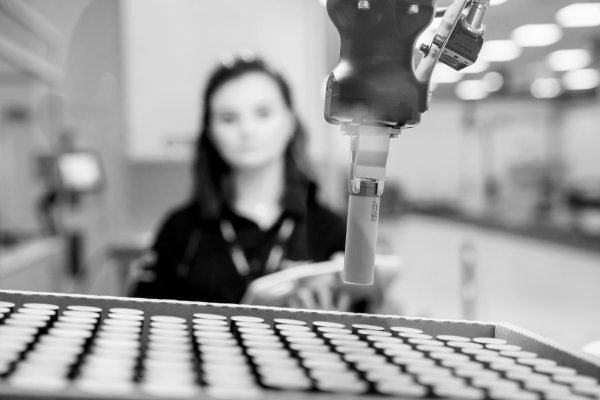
(492, 203)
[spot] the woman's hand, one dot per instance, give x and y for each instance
(320, 295)
(319, 286)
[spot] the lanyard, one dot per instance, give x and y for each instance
(275, 254)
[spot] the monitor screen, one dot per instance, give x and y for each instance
(80, 172)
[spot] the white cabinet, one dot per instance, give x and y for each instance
(36, 265)
(542, 286)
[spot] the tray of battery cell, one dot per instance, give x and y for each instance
(81, 347)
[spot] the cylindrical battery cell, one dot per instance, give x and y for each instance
(361, 235)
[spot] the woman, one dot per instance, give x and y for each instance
(254, 209)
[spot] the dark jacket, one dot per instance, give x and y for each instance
(194, 261)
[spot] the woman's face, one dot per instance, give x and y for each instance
(251, 124)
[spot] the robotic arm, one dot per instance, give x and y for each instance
(375, 91)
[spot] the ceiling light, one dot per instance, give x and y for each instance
(579, 15)
(567, 60)
(493, 81)
(471, 90)
(582, 79)
(497, 2)
(545, 88)
(444, 74)
(499, 51)
(537, 35)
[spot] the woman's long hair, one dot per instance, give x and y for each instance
(212, 186)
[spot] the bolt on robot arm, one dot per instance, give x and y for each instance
(375, 91)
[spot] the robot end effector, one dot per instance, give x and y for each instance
(376, 81)
(375, 90)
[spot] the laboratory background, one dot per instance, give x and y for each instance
(491, 208)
